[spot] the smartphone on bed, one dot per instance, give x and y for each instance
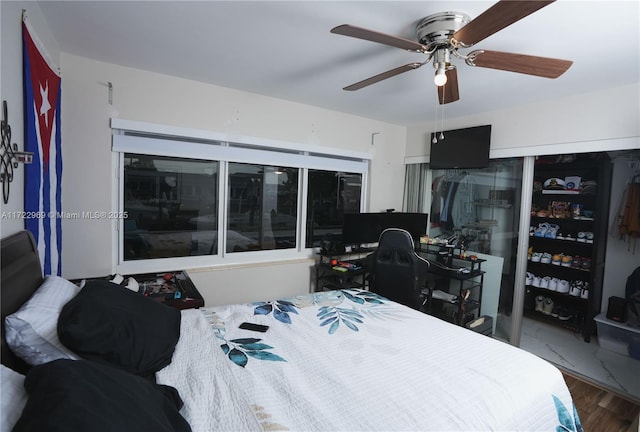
(254, 327)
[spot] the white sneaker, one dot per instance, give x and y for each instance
(553, 284)
(544, 282)
(536, 281)
(575, 289)
(546, 258)
(117, 279)
(539, 303)
(133, 285)
(584, 293)
(536, 257)
(563, 286)
(528, 279)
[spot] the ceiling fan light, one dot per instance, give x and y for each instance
(440, 78)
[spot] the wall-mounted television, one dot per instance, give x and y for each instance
(461, 148)
(365, 228)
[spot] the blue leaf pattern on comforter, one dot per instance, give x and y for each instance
(239, 351)
(568, 423)
(332, 312)
(280, 309)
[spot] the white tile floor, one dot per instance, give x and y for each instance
(569, 351)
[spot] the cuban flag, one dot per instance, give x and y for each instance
(43, 177)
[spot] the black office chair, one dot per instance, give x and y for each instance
(397, 271)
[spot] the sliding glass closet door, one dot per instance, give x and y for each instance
(479, 209)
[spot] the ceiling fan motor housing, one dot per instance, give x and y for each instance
(436, 30)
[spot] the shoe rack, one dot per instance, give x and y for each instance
(567, 242)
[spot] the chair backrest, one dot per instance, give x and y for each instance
(397, 271)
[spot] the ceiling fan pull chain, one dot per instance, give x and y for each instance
(435, 122)
(442, 115)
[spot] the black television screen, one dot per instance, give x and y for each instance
(363, 228)
(461, 148)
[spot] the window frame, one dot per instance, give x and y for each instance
(161, 140)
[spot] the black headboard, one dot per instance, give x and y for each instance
(21, 276)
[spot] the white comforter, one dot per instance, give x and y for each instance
(350, 360)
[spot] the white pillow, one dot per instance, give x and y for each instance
(13, 398)
(31, 332)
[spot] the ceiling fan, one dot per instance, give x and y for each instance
(441, 36)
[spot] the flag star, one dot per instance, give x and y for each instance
(46, 106)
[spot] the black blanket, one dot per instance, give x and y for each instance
(78, 395)
(109, 324)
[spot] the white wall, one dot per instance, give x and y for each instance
(149, 97)
(594, 121)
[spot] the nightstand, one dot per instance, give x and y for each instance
(174, 289)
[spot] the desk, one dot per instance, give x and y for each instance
(455, 290)
(330, 276)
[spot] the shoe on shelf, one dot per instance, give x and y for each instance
(545, 258)
(541, 231)
(577, 261)
(528, 278)
(582, 237)
(553, 284)
(564, 314)
(552, 231)
(589, 237)
(539, 303)
(586, 264)
(566, 261)
(536, 281)
(536, 256)
(548, 306)
(563, 286)
(574, 289)
(556, 259)
(544, 282)
(584, 293)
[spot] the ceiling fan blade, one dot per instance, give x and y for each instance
(494, 19)
(373, 36)
(449, 92)
(531, 65)
(383, 76)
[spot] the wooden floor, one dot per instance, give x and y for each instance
(601, 410)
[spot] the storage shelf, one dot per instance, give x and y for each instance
(446, 275)
(561, 268)
(560, 192)
(556, 294)
(595, 175)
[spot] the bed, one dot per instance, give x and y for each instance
(330, 361)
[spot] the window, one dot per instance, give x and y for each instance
(262, 207)
(171, 206)
(195, 199)
(330, 195)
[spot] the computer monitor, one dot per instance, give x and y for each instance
(365, 228)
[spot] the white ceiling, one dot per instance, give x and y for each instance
(284, 49)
